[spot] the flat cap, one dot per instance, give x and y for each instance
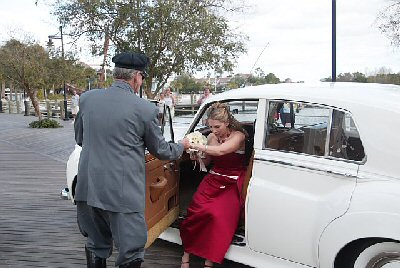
(131, 60)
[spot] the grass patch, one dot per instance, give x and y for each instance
(45, 123)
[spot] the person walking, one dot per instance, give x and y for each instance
(161, 107)
(74, 104)
(114, 127)
(170, 101)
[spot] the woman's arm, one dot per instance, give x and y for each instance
(234, 143)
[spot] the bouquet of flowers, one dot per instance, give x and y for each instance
(198, 139)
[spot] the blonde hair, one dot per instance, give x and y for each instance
(220, 111)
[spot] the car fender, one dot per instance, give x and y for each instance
(72, 170)
(374, 213)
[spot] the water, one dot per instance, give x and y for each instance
(180, 125)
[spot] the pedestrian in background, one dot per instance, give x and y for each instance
(170, 101)
(161, 108)
(207, 93)
(74, 104)
(114, 127)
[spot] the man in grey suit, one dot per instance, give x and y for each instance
(114, 126)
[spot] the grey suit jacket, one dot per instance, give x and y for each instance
(114, 126)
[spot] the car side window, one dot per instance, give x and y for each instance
(345, 140)
(297, 127)
(244, 111)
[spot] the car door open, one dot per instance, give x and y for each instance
(162, 191)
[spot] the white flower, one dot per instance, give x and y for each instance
(197, 138)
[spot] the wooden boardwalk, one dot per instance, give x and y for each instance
(37, 228)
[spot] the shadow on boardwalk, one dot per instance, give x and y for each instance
(37, 228)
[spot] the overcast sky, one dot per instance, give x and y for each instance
(296, 35)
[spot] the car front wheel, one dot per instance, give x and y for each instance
(378, 255)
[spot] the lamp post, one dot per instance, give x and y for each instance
(1, 101)
(51, 37)
(26, 107)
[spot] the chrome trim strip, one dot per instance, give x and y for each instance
(305, 167)
(328, 132)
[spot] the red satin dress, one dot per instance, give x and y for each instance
(213, 215)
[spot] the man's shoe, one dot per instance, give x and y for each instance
(132, 264)
(93, 261)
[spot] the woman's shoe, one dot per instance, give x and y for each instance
(185, 264)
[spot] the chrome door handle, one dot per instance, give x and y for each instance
(169, 166)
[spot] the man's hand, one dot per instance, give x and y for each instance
(186, 143)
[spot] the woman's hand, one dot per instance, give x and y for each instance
(194, 146)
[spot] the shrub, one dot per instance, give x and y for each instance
(45, 123)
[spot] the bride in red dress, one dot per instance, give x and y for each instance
(214, 212)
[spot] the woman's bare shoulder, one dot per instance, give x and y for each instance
(211, 136)
(236, 133)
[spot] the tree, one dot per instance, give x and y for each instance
(178, 35)
(68, 69)
(186, 84)
(237, 81)
(384, 78)
(28, 66)
(348, 77)
(24, 64)
(359, 77)
(259, 72)
(389, 22)
(272, 79)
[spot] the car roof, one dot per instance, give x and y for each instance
(375, 110)
(339, 94)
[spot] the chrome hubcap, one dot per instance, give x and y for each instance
(385, 260)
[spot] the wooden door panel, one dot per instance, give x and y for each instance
(162, 190)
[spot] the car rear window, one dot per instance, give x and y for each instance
(305, 128)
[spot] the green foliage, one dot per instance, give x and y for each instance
(28, 66)
(69, 70)
(389, 22)
(351, 77)
(385, 78)
(178, 35)
(237, 81)
(187, 84)
(45, 123)
(24, 64)
(40, 95)
(272, 79)
(232, 85)
(261, 79)
(55, 97)
(348, 77)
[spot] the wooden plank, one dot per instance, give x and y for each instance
(37, 228)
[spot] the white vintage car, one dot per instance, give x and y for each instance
(323, 184)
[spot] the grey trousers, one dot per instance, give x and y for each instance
(101, 227)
